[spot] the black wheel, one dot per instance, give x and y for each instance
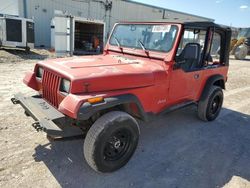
(111, 141)
(209, 109)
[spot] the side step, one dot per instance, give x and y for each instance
(176, 107)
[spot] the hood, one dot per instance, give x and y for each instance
(104, 72)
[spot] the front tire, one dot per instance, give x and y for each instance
(111, 141)
(209, 109)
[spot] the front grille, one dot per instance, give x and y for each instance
(50, 84)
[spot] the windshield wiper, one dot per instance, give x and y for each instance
(144, 48)
(118, 44)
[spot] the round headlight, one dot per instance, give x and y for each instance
(65, 86)
(39, 72)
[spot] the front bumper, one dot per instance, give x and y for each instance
(47, 118)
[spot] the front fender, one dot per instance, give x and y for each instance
(87, 109)
(77, 107)
(30, 80)
(70, 105)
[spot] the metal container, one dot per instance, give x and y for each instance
(16, 32)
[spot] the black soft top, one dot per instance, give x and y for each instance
(224, 31)
(205, 25)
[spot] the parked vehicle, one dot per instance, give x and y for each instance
(146, 69)
(16, 32)
(240, 47)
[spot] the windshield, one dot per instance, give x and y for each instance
(152, 37)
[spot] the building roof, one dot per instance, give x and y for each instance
(178, 12)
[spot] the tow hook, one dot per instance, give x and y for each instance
(15, 101)
(38, 127)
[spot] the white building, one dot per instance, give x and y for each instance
(108, 11)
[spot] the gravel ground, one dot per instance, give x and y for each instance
(176, 150)
(14, 55)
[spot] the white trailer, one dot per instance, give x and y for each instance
(16, 32)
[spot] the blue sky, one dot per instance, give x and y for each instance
(228, 12)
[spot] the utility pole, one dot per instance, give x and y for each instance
(71, 47)
(24, 8)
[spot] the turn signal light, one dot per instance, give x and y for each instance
(95, 100)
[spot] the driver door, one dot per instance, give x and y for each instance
(186, 76)
(184, 85)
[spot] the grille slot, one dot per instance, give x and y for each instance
(50, 84)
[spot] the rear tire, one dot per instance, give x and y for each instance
(111, 141)
(209, 109)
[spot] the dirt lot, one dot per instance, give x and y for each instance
(176, 150)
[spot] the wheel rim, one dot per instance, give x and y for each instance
(215, 105)
(117, 145)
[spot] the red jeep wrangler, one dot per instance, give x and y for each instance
(146, 69)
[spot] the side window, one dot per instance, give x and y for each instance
(215, 48)
(190, 50)
(193, 42)
(192, 36)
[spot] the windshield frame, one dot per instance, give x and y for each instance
(132, 50)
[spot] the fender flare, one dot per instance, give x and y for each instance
(210, 82)
(87, 110)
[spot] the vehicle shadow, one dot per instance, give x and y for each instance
(175, 150)
(25, 55)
